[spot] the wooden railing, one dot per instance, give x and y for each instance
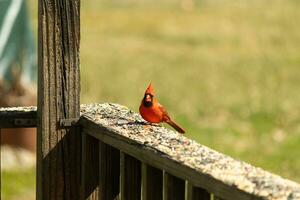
(109, 152)
(125, 158)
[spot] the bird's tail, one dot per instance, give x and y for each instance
(175, 126)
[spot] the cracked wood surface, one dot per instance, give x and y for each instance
(58, 149)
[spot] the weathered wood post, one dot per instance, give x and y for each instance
(59, 146)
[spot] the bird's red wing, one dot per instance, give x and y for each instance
(166, 116)
(167, 119)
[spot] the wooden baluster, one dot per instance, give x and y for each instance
(152, 179)
(196, 193)
(218, 198)
(109, 172)
(130, 177)
(90, 170)
(173, 187)
(83, 166)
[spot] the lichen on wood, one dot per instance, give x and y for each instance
(119, 120)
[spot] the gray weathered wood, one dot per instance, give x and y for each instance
(164, 149)
(151, 183)
(173, 187)
(130, 178)
(58, 149)
(109, 172)
(196, 193)
(18, 117)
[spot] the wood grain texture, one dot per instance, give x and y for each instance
(196, 193)
(173, 187)
(109, 172)
(58, 149)
(83, 165)
(152, 180)
(130, 178)
(122, 175)
(91, 168)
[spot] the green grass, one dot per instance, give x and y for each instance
(228, 71)
(18, 184)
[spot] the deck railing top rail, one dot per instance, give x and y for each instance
(13, 117)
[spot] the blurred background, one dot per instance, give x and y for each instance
(226, 70)
(18, 66)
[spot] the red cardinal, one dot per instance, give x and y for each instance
(153, 112)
